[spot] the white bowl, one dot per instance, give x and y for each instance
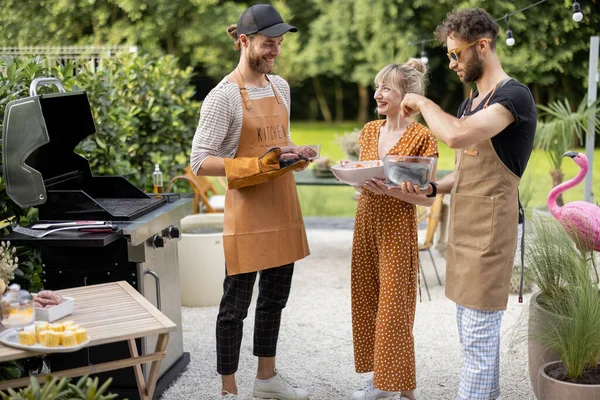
(57, 312)
(414, 169)
(357, 172)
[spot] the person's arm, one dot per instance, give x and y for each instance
(217, 121)
(212, 166)
(444, 185)
(458, 133)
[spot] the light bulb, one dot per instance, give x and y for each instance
(577, 14)
(510, 40)
(424, 59)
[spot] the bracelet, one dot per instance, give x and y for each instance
(433, 190)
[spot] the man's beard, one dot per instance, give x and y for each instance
(474, 69)
(257, 63)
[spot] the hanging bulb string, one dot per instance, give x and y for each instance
(522, 9)
(510, 40)
(576, 10)
(424, 58)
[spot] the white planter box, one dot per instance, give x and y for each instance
(201, 260)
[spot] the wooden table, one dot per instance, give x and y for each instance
(306, 177)
(111, 312)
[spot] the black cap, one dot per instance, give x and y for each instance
(263, 19)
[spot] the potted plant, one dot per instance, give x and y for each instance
(321, 168)
(564, 316)
(349, 143)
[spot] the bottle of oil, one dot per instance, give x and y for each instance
(158, 179)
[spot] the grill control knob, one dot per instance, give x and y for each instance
(173, 232)
(158, 241)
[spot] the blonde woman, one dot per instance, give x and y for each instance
(385, 264)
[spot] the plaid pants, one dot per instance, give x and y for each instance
(273, 291)
(479, 333)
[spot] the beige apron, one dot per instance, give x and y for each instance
(483, 228)
(263, 226)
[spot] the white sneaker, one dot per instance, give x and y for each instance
(369, 392)
(225, 395)
(278, 388)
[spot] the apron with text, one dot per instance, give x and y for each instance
(263, 226)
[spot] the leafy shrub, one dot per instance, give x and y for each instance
(86, 388)
(145, 114)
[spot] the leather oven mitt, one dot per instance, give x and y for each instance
(249, 171)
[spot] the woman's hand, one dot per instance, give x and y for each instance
(409, 188)
(377, 186)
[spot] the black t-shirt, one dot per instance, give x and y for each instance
(515, 143)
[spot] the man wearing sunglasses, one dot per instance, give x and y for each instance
(493, 137)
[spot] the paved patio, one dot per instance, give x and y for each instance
(315, 346)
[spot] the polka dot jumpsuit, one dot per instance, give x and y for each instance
(385, 270)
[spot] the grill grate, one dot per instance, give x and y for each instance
(123, 207)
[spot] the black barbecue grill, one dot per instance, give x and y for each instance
(42, 169)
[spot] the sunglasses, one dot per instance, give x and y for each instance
(454, 54)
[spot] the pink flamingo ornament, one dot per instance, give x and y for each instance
(580, 218)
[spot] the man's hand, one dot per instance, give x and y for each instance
(303, 166)
(411, 104)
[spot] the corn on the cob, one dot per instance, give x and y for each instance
(68, 339)
(51, 339)
(27, 338)
(81, 335)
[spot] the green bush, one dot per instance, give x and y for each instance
(144, 112)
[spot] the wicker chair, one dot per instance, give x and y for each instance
(206, 197)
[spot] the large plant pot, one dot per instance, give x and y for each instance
(537, 354)
(553, 389)
(201, 260)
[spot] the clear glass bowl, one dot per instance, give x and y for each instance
(18, 310)
(312, 153)
(414, 169)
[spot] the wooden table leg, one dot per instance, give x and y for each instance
(137, 370)
(161, 347)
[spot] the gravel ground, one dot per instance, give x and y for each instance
(315, 345)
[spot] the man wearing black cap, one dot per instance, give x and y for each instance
(242, 120)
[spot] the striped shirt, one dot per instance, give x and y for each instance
(220, 126)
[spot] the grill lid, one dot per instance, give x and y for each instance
(41, 167)
(39, 136)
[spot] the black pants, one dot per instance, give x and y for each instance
(273, 291)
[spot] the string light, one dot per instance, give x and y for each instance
(510, 40)
(424, 58)
(577, 14)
